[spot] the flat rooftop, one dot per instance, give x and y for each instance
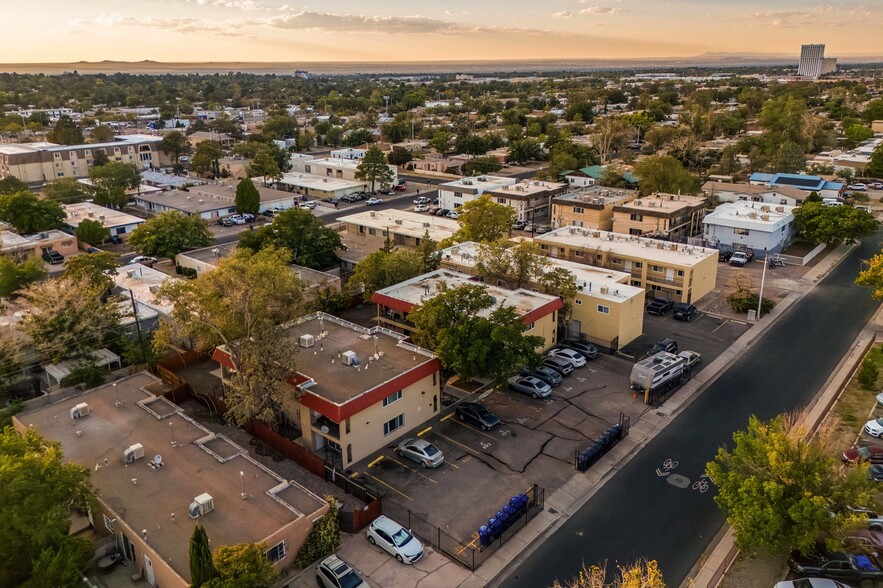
(163, 179)
(337, 161)
(108, 217)
(595, 197)
(489, 182)
(402, 222)
(665, 204)
(526, 188)
(319, 182)
(755, 215)
(228, 191)
(10, 241)
(143, 281)
(195, 460)
(341, 383)
(753, 189)
(627, 246)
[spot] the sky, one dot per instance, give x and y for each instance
(42, 31)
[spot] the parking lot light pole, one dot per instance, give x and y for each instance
(760, 295)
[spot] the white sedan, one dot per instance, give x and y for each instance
(691, 357)
(373, 201)
(574, 357)
(874, 428)
(394, 539)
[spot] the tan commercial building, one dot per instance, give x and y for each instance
(404, 228)
(538, 311)
(224, 139)
(37, 163)
(115, 221)
(529, 198)
(34, 245)
(591, 208)
(606, 310)
(682, 273)
(661, 216)
(158, 473)
(357, 389)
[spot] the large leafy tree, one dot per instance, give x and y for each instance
(280, 126)
(97, 268)
(309, 242)
(92, 232)
(484, 221)
(640, 574)
(205, 160)
(66, 190)
(15, 275)
(664, 173)
(871, 276)
(788, 158)
(248, 199)
(29, 214)
(12, 346)
(482, 165)
(441, 141)
(175, 144)
(38, 489)
(111, 180)
(525, 150)
(68, 318)
(170, 233)
(374, 169)
(264, 166)
(875, 165)
(66, 132)
(101, 134)
(782, 488)
(11, 185)
(609, 135)
(202, 565)
(517, 266)
(384, 268)
(830, 224)
(243, 564)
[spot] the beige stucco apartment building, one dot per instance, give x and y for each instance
(662, 216)
(404, 228)
(591, 208)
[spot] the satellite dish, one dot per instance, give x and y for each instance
(157, 459)
(324, 429)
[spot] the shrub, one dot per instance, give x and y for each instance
(324, 538)
(743, 301)
(867, 374)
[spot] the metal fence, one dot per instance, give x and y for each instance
(467, 551)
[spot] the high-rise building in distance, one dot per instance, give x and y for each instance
(813, 62)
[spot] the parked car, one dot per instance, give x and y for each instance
(386, 191)
(691, 357)
(858, 186)
(544, 373)
(225, 222)
(864, 453)
(518, 225)
(874, 428)
(236, 219)
(311, 204)
(873, 520)
(373, 201)
(442, 212)
(560, 365)
(877, 186)
(659, 306)
(249, 217)
(399, 188)
(533, 387)
(421, 200)
(421, 451)
(724, 255)
(52, 257)
(421, 208)
(840, 566)
(453, 214)
(587, 350)
(684, 311)
(434, 210)
(875, 472)
(880, 399)
(810, 583)
(268, 213)
(144, 260)
(864, 538)
(571, 355)
(333, 572)
(543, 229)
(666, 344)
(740, 258)
(394, 539)
(400, 182)
(530, 227)
(92, 250)
(478, 415)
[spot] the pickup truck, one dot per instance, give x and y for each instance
(740, 258)
(53, 257)
(862, 569)
(659, 306)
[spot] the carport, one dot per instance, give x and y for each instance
(59, 371)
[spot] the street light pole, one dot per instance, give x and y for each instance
(760, 296)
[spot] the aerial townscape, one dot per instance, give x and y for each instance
(515, 295)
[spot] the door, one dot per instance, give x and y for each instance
(128, 549)
(148, 571)
(573, 329)
(669, 275)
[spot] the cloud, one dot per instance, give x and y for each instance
(599, 10)
(246, 5)
(326, 21)
(562, 14)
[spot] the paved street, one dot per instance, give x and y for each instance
(654, 506)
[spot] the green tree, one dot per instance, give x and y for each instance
(243, 564)
(280, 126)
(111, 180)
(471, 144)
(102, 134)
(441, 141)
(482, 165)
(868, 373)
(609, 136)
(484, 221)
(66, 132)
(830, 224)
(202, 566)
(781, 487)
(12, 347)
(11, 185)
(265, 166)
(170, 233)
(16, 275)
(430, 256)
(92, 232)
(562, 283)
(99, 158)
(640, 574)
(382, 269)
(525, 150)
(66, 190)
(663, 173)
(175, 144)
(789, 158)
(324, 537)
(783, 118)
(873, 110)
(358, 137)
(871, 276)
(39, 489)
(399, 156)
(395, 131)
(205, 159)
(517, 266)
(855, 134)
(874, 168)
(96, 268)
(29, 214)
(248, 199)
(374, 169)
(309, 242)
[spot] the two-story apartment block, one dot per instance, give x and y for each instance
(591, 208)
(682, 273)
(334, 167)
(210, 201)
(606, 309)
(158, 473)
(529, 198)
(538, 311)
(357, 389)
(37, 163)
(23, 246)
(116, 222)
(742, 225)
(807, 184)
(661, 216)
(404, 228)
(776, 195)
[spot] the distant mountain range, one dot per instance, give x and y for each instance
(711, 60)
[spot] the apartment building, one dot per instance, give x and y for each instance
(21, 246)
(661, 216)
(334, 167)
(319, 187)
(591, 208)
(404, 228)
(741, 225)
(529, 198)
(805, 183)
(776, 195)
(116, 222)
(356, 389)
(37, 163)
(683, 273)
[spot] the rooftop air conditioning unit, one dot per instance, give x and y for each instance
(133, 452)
(638, 203)
(201, 505)
(426, 225)
(780, 209)
(306, 340)
(350, 358)
(660, 245)
(596, 234)
(752, 215)
(131, 273)
(764, 217)
(399, 221)
(673, 247)
(100, 217)
(201, 201)
(604, 289)
(91, 214)
(372, 214)
(154, 288)
(79, 411)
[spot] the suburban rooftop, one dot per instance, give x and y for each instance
(662, 203)
(744, 214)
(403, 222)
(595, 195)
(324, 183)
(108, 217)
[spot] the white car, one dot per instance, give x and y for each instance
(310, 204)
(453, 214)
(236, 219)
(860, 187)
(373, 201)
(144, 260)
(691, 357)
(874, 428)
(333, 572)
(574, 357)
(394, 539)
(880, 399)
(421, 208)
(811, 583)
(421, 200)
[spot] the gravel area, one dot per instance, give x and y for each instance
(286, 468)
(751, 572)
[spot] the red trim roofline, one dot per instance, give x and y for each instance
(538, 313)
(393, 303)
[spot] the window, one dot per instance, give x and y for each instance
(458, 194)
(578, 210)
(501, 200)
(577, 253)
(639, 264)
(372, 231)
(434, 376)
(108, 523)
(783, 201)
(361, 229)
(603, 309)
(67, 243)
(392, 398)
(636, 283)
(638, 232)
(307, 169)
(276, 553)
(57, 155)
(578, 301)
(636, 217)
(655, 268)
(529, 326)
(393, 424)
(740, 231)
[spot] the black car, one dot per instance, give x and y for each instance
(52, 256)
(443, 212)
(666, 344)
(560, 365)
(659, 306)
(875, 472)
(587, 350)
(684, 312)
(724, 255)
(478, 415)
(836, 566)
(544, 373)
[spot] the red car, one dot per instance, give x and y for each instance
(856, 455)
(399, 188)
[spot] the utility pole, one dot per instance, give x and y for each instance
(137, 324)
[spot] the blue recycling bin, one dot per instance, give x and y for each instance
(484, 535)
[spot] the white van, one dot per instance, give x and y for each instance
(831, 202)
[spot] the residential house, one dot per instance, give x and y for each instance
(319, 187)
(592, 175)
(117, 222)
(337, 168)
(808, 184)
(732, 192)
(743, 225)
(210, 201)
(591, 208)
(224, 139)
(661, 216)
(352, 154)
